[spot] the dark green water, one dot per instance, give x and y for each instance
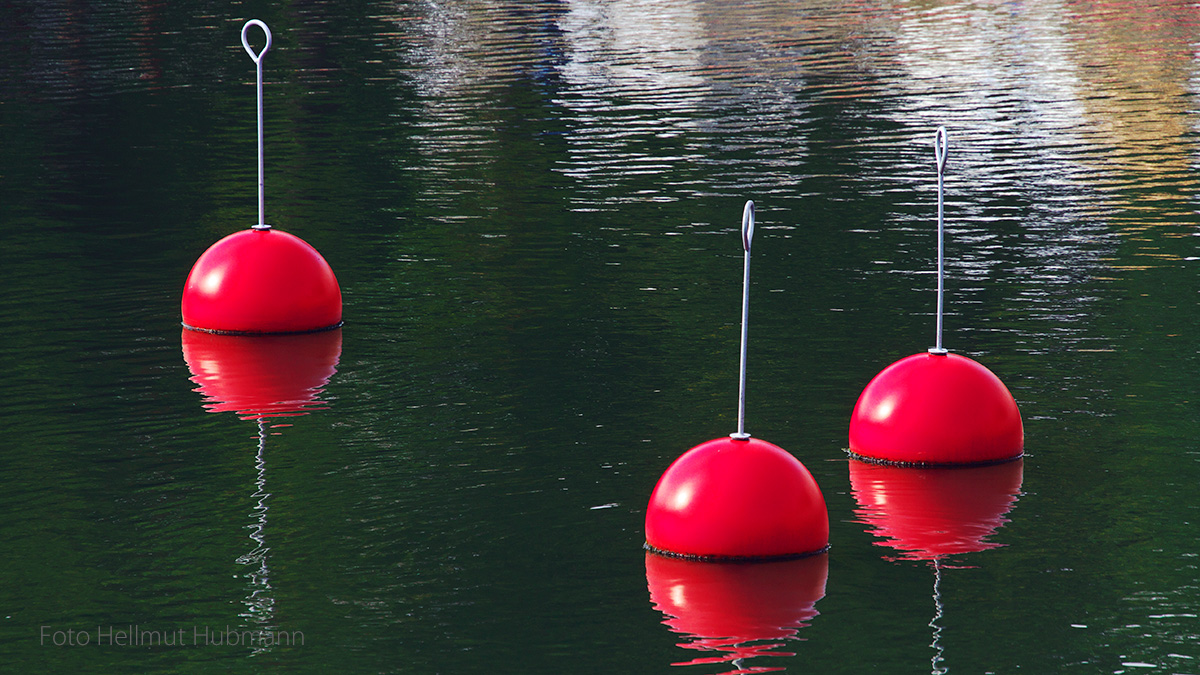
(533, 210)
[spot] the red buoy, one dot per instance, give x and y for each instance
(262, 376)
(736, 611)
(929, 514)
(930, 409)
(261, 281)
(737, 498)
(936, 408)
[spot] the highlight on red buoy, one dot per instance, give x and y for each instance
(737, 498)
(931, 514)
(736, 611)
(936, 408)
(261, 280)
(734, 499)
(931, 409)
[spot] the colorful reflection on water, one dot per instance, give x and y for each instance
(934, 514)
(738, 611)
(262, 376)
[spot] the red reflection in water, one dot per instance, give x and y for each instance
(262, 376)
(739, 610)
(928, 514)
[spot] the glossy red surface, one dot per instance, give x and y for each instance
(931, 409)
(261, 281)
(737, 499)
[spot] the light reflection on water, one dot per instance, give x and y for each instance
(735, 612)
(260, 378)
(685, 101)
(530, 206)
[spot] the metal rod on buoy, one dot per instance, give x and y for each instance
(747, 235)
(939, 152)
(736, 497)
(257, 58)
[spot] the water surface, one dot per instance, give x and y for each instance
(532, 209)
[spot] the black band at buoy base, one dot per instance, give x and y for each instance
(251, 333)
(932, 465)
(733, 559)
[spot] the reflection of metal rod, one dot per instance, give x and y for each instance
(259, 605)
(939, 153)
(937, 630)
(257, 58)
(747, 235)
(260, 507)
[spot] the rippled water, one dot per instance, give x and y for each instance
(532, 209)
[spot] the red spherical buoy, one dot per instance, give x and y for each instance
(736, 611)
(936, 408)
(929, 514)
(262, 376)
(732, 499)
(931, 409)
(261, 281)
(737, 498)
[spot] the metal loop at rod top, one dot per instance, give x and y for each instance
(940, 151)
(747, 235)
(257, 58)
(747, 225)
(940, 148)
(246, 42)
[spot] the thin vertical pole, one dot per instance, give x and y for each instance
(939, 152)
(257, 58)
(747, 235)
